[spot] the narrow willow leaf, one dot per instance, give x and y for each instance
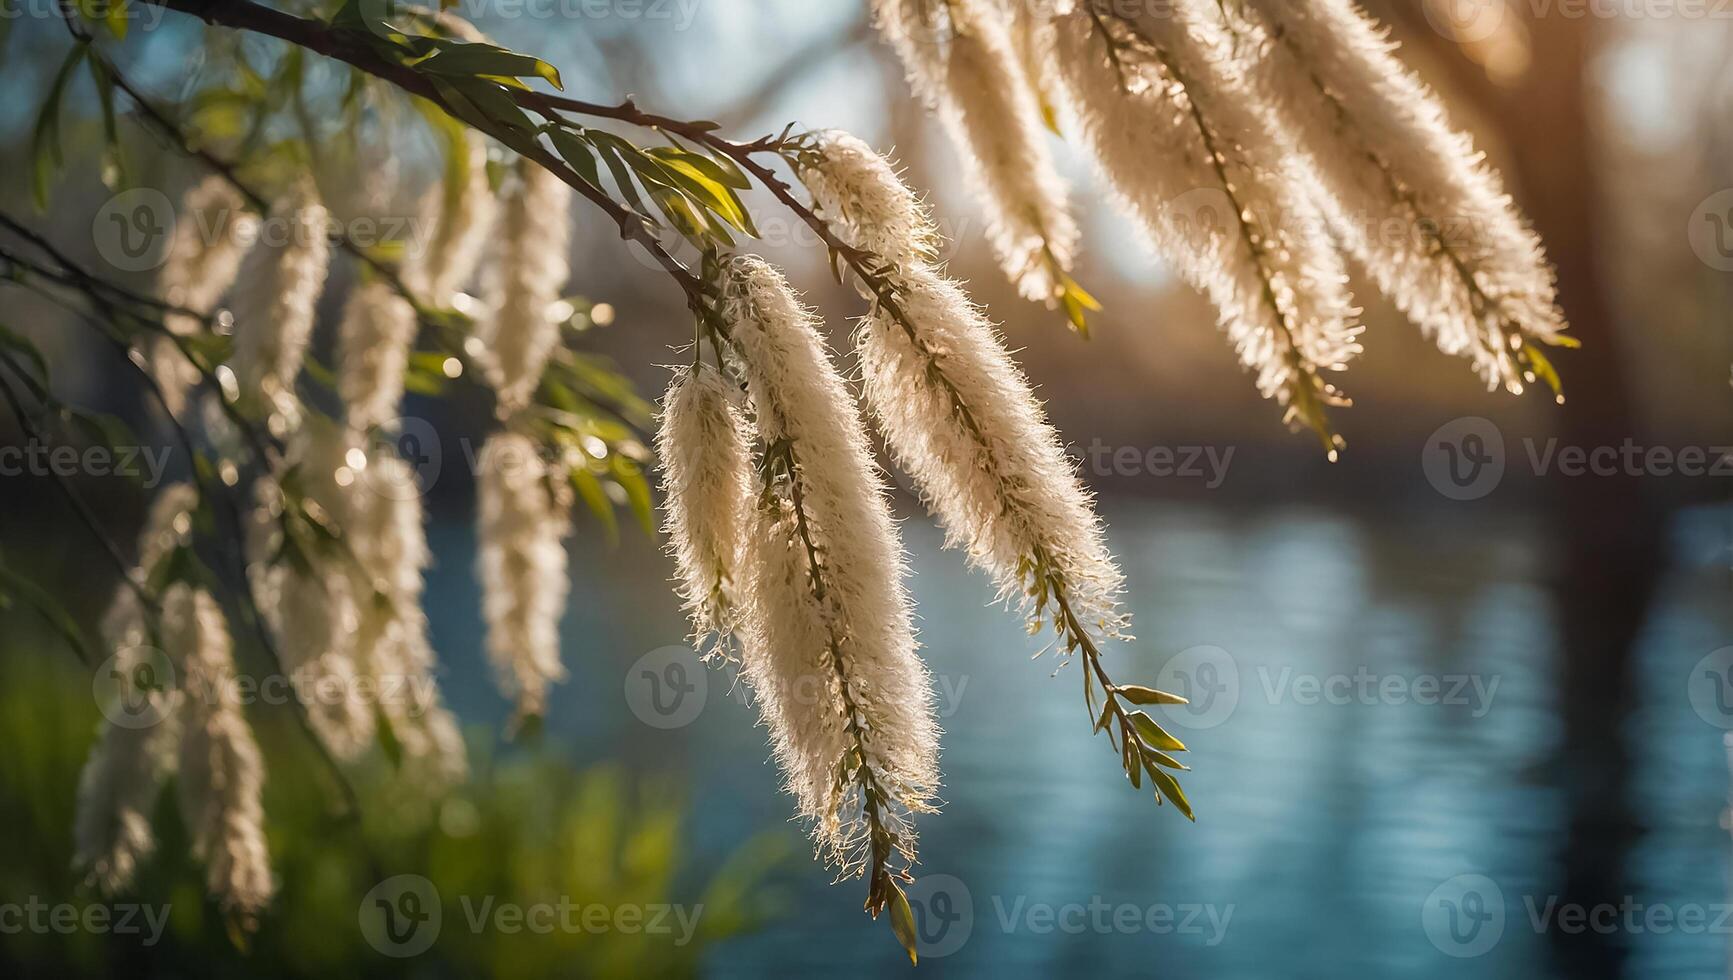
(596, 499)
(1169, 786)
(1154, 735)
(457, 58)
(45, 152)
(579, 154)
(1154, 757)
(903, 921)
(1148, 695)
(631, 479)
(114, 162)
(494, 101)
(612, 150)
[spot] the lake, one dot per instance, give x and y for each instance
(1373, 731)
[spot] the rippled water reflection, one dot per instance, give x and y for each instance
(1372, 738)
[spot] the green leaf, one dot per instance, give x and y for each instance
(1147, 695)
(1163, 759)
(493, 101)
(464, 60)
(590, 489)
(114, 161)
(1542, 367)
(631, 479)
(1169, 787)
(578, 153)
(903, 921)
(700, 177)
(611, 148)
(117, 18)
(45, 153)
(1154, 735)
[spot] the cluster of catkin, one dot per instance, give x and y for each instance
(175, 711)
(796, 562)
(778, 523)
(1255, 141)
(336, 543)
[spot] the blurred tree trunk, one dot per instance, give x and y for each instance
(1606, 536)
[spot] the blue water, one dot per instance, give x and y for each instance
(1339, 804)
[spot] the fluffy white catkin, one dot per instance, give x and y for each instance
(856, 186)
(123, 777)
(373, 343)
(118, 789)
(963, 421)
(444, 263)
(222, 775)
(212, 233)
(166, 527)
(1409, 194)
(829, 644)
(525, 513)
(995, 472)
(1204, 170)
(968, 70)
(704, 444)
(311, 605)
(280, 285)
(388, 535)
(523, 282)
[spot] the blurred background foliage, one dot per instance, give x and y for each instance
(531, 827)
